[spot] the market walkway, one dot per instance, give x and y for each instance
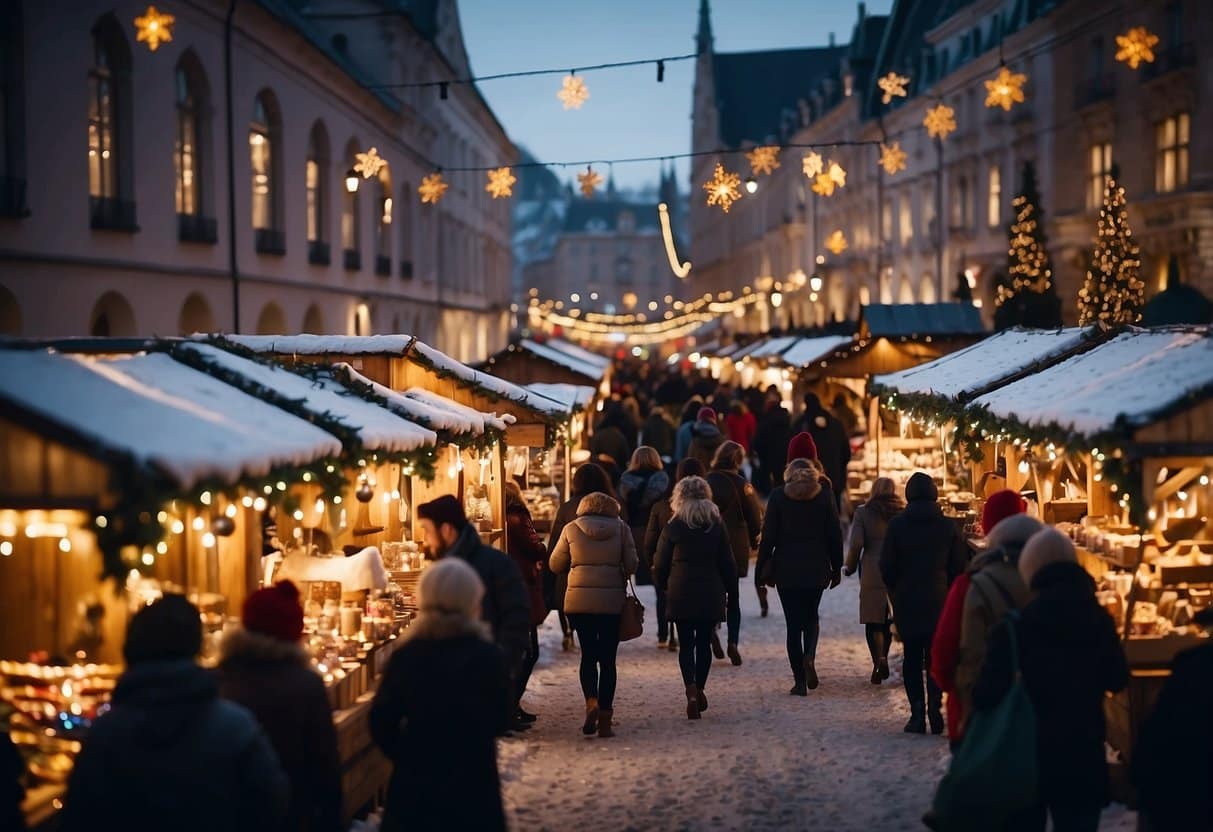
(759, 759)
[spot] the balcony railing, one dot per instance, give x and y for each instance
(406, 269)
(352, 259)
(1094, 90)
(12, 197)
(1171, 60)
(318, 253)
(383, 265)
(195, 228)
(270, 241)
(109, 214)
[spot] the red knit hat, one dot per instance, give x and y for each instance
(706, 414)
(1000, 506)
(802, 446)
(275, 612)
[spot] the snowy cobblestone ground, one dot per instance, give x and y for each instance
(759, 758)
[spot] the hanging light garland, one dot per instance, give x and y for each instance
(432, 189)
(154, 27)
(573, 92)
(763, 160)
(892, 157)
(812, 164)
(940, 120)
(722, 188)
(588, 181)
(1005, 89)
(500, 183)
(369, 164)
(1136, 47)
(837, 241)
(892, 85)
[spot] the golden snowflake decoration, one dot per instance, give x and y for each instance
(1136, 46)
(763, 160)
(501, 183)
(369, 164)
(722, 188)
(588, 181)
(892, 85)
(940, 121)
(824, 184)
(573, 92)
(154, 27)
(837, 241)
(432, 188)
(837, 174)
(813, 164)
(1005, 89)
(892, 157)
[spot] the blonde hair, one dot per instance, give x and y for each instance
(645, 458)
(448, 596)
(692, 503)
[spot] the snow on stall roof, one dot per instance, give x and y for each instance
(564, 359)
(379, 428)
(1131, 378)
(578, 351)
(498, 386)
(436, 417)
(750, 348)
(490, 420)
(986, 363)
(807, 350)
(323, 344)
(574, 396)
(163, 414)
(772, 347)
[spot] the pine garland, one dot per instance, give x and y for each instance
(1114, 292)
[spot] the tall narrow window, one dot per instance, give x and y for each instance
(312, 184)
(350, 230)
(102, 119)
(994, 198)
(261, 155)
(960, 208)
(186, 148)
(1099, 165)
(404, 218)
(1171, 162)
(383, 222)
(110, 172)
(315, 181)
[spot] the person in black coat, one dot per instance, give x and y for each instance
(833, 444)
(741, 514)
(610, 437)
(1069, 658)
(264, 667)
(659, 518)
(694, 568)
(801, 554)
(658, 433)
(922, 554)
(444, 698)
(770, 444)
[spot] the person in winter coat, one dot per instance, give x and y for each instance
(683, 436)
(830, 437)
(706, 437)
(922, 554)
(658, 434)
(170, 752)
(506, 606)
(526, 548)
(641, 487)
(1069, 658)
(740, 425)
(264, 667)
(866, 538)
(598, 554)
(770, 444)
(609, 438)
(742, 517)
(946, 644)
(801, 554)
(694, 567)
(443, 699)
(661, 517)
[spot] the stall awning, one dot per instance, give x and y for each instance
(574, 396)
(916, 320)
(593, 359)
(772, 347)
(808, 350)
(439, 418)
(590, 371)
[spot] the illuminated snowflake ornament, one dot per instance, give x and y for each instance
(369, 164)
(588, 181)
(432, 188)
(1136, 47)
(892, 157)
(763, 160)
(837, 241)
(501, 183)
(813, 164)
(1005, 89)
(837, 174)
(940, 121)
(722, 188)
(573, 92)
(824, 184)
(154, 27)
(892, 85)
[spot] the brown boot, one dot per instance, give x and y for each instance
(693, 702)
(604, 723)
(591, 716)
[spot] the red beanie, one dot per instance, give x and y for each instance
(275, 612)
(802, 446)
(706, 414)
(1000, 506)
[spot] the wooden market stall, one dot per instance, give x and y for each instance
(549, 473)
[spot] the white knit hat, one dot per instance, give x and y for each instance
(1043, 548)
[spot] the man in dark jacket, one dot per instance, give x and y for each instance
(706, 437)
(170, 753)
(833, 445)
(658, 434)
(771, 443)
(922, 554)
(506, 606)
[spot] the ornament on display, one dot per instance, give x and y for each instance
(432, 188)
(722, 188)
(365, 493)
(763, 160)
(824, 184)
(573, 92)
(892, 85)
(837, 241)
(813, 164)
(223, 526)
(588, 181)
(1136, 47)
(940, 120)
(1005, 89)
(892, 157)
(369, 164)
(501, 183)
(154, 27)
(680, 269)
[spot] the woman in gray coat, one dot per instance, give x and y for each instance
(863, 553)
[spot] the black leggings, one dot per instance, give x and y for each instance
(599, 638)
(880, 638)
(695, 651)
(804, 627)
(916, 664)
(528, 664)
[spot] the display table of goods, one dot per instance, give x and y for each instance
(897, 464)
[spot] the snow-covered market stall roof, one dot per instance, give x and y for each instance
(576, 397)
(772, 347)
(451, 418)
(805, 351)
(593, 359)
(591, 372)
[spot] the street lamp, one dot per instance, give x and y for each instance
(351, 181)
(815, 283)
(751, 185)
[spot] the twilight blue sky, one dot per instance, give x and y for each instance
(629, 113)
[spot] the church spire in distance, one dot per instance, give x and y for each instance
(703, 40)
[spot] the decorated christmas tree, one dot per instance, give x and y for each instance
(1114, 291)
(1026, 296)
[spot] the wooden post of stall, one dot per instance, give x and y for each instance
(1099, 496)
(875, 427)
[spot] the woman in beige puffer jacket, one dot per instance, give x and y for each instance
(598, 553)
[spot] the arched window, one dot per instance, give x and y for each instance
(349, 215)
(10, 313)
(112, 316)
(196, 316)
(316, 181)
(271, 321)
(313, 320)
(404, 218)
(383, 222)
(109, 129)
(264, 138)
(190, 151)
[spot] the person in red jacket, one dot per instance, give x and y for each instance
(741, 425)
(527, 550)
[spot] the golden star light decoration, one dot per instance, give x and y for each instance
(588, 181)
(500, 183)
(154, 27)
(940, 120)
(722, 188)
(763, 160)
(1005, 89)
(892, 157)
(813, 164)
(824, 184)
(837, 174)
(892, 85)
(1136, 47)
(432, 188)
(837, 241)
(573, 92)
(369, 164)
